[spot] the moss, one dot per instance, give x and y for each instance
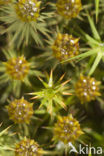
(69, 8)
(65, 47)
(20, 111)
(67, 129)
(28, 10)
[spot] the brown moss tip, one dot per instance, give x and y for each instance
(87, 88)
(67, 129)
(17, 68)
(65, 47)
(20, 111)
(28, 147)
(28, 10)
(69, 8)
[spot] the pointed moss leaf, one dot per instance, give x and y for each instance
(83, 55)
(92, 42)
(96, 62)
(93, 28)
(50, 80)
(97, 8)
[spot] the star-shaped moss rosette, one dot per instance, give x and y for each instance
(28, 147)
(16, 71)
(66, 129)
(25, 21)
(51, 96)
(87, 88)
(68, 8)
(65, 46)
(59, 49)
(20, 111)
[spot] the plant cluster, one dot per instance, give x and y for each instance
(51, 77)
